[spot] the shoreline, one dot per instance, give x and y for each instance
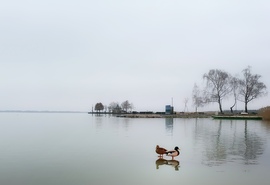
(157, 115)
(163, 116)
(184, 115)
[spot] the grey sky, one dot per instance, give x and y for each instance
(69, 55)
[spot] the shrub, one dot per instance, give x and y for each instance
(265, 113)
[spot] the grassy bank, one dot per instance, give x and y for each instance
(265, 113)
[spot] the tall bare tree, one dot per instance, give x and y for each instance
(235, 87)
(126, 105)
(217, 86)
(186, 107)
(198, 100)
(250, 87)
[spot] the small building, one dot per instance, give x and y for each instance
(168, 109)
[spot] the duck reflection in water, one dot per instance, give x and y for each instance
(173, 163)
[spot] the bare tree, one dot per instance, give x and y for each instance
(217, 86)
(126, 105)
(186, 107)
(235, 87)
(250, 87)
(114, 107)
(197, 97)
(99, 107)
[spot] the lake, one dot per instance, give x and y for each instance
(85, 149)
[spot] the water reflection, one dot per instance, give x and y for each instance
(216, 149)
(101, 122)
(169, 125)
(266, 124)
(228, 143)
(98, 120)
(173, 163)
(126, 123)
(253, 146)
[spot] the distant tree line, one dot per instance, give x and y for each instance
(115, 107)
(220, 85)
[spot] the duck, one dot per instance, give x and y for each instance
(173, 153)
(160, 151)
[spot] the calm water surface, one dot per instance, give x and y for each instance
(81, 149)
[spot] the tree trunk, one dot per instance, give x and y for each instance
(246, 110)
(220, 107)
(233, 106)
